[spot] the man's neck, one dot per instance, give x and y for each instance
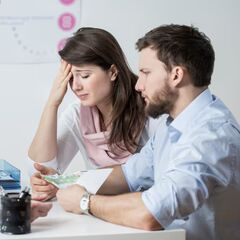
(186, 96)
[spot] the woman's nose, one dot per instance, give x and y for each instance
(76, 85)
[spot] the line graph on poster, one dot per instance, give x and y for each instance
(33, 31)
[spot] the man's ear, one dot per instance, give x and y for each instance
(113, 72)
(177, 75)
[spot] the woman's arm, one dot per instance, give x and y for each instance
(44, 145)
(115, 183)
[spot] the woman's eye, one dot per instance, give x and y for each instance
(85, 76)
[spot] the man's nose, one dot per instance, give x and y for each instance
(139, 85)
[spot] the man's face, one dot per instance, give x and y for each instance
(154, 84)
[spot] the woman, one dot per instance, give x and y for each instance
(106, 126)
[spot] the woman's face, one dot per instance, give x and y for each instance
(91, 84)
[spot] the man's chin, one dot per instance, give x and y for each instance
(154, 115)
(152, 111)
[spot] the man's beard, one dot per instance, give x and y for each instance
(162, 102)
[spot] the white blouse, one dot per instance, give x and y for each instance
(70, 140)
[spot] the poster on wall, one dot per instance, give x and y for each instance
(33, 31)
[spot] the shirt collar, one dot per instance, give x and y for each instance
(178, 125)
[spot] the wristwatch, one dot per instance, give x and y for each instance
(85, 202)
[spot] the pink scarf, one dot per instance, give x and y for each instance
(96, 141)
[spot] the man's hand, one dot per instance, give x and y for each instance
(39, 209)
(69, 198)
(42, 190)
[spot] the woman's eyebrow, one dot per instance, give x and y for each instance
(81, 70)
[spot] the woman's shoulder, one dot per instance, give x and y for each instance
(71, 112)
(75, 112)
(74, 106)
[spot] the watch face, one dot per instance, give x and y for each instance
(84, 204)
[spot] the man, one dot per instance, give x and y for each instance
(187, 175)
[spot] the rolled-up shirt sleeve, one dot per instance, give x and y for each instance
(138, 170)
(195, 170)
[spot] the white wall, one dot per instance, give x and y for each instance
(24, 88)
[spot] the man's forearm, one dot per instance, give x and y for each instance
(125, 209)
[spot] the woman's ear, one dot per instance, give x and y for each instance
(113, 72)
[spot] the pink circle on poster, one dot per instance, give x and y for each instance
(61, 44)
(66, 21)
(67, 2)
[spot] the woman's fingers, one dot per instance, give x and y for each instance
(43, 169)
(38, 196)
(66, 80)
(41, 187)
(63, 65)
(43, 193)
(48, 188)
(36, 179)
(39, 184)
(67, 69)
(43, 196)
(64, 70)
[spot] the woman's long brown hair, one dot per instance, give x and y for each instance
(97, 46)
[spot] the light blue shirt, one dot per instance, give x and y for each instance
(189, 171)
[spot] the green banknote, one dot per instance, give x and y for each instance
(64, 180)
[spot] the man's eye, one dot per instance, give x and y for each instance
(144, 71)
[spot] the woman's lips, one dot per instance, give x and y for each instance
(83, 96)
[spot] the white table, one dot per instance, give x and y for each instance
(62, 225)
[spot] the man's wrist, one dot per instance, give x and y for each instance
(90, 204)
(85, 203)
